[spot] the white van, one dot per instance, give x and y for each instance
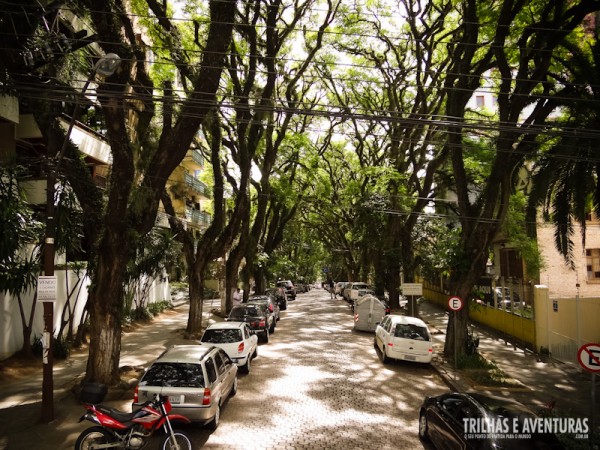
(405, 338)
(368, 312)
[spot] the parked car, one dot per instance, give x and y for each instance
(255, 315)
(289, 287)
(272, 308)
(441, 420)
(351, 291)
(339, 286)
(236, 338)
(404, 338)
(300, 288)
(503, 297)
(197, 378)
(280, 296)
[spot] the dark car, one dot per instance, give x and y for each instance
(255, 315)
(475, 421)
(272, 308)
(290, 289)
(280, 296)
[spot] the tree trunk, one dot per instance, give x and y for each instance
(196, 288)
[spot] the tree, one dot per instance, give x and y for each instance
(521, 44)
(566, 178)
(144, 150)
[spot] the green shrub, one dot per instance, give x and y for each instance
(158, 307)
(61, 349)
(141, 315)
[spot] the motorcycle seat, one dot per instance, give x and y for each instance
(116, 414)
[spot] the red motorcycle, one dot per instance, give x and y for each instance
(129, 431)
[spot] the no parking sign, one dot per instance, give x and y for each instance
(589, 357)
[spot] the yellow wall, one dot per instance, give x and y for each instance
(513, 325)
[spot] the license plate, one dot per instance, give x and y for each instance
(410, 358)
(175, 399)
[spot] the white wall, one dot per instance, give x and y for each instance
(11, 329)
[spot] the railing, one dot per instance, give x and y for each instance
(196, 185)
(197, 157)
(197, 217)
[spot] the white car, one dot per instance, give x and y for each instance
(404, 338)
(236, 339)
(351, 293)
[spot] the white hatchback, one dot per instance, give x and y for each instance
(405, 338)
(236, 339)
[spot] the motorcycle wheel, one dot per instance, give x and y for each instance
(181, 441)
(92, 435)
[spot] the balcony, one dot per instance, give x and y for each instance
(196, 185)
(197, 157)
(198, 218)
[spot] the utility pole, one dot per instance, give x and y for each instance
(105, 66)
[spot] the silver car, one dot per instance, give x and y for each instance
(198, 379)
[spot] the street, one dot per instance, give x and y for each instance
(319, 385)
(316, 385)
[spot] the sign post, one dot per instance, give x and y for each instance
(589, 358)
(455, 304)
(412, 290)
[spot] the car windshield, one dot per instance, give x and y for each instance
(411, 331)
(238, 313)
(221, 336)
(173, 374)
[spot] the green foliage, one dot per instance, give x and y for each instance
(515, 228)
(20, 235)
(438, 242)
(61, 348)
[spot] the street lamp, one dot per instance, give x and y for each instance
(105, 66)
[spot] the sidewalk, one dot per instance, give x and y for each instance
(20, 400)
(539, 382)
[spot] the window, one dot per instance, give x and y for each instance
(593, 263)
(480, 101)
(222, 361)
(211, 370)
(173, 374)
(410, 331)
(223, 336)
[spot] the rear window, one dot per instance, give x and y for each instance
(242, 312)
(172, 374)
(217, 336)
(410, 331)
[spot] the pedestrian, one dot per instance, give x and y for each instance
(331, 288)
(237, 299)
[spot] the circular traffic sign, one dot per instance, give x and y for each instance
(589, 357)
(455, 303)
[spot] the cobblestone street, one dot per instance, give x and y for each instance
(319, 385)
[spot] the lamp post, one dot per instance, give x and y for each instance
(105, 66)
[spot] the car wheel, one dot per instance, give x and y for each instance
(266, 336)
(234, 387)
(375, 342)
(272, 328)
(214, 423)
(384, 357)
(423, 426)
(246, 367)
(255, 354)
(284, 306)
